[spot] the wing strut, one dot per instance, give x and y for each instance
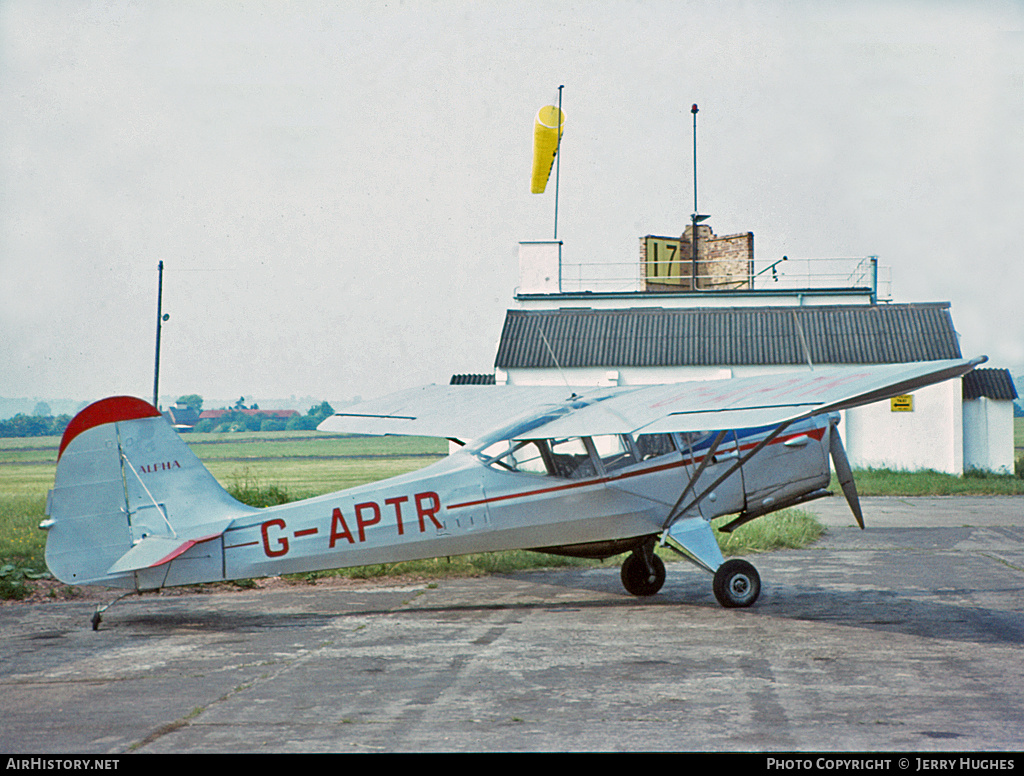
(696, 476)
(676, 513)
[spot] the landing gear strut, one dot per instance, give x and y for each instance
(97, 616)
(643, 572)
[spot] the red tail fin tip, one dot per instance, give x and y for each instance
(111, 410)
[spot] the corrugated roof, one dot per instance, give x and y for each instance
(853, 334)
(472, 380)
(990, 383)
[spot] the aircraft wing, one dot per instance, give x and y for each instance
(468, 411)
(451, 411)
(750, 402)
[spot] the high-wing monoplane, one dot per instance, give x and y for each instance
(591, 472)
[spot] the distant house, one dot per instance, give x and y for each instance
(275, 414)
(215, 417)
(185, 419)
(182, 417)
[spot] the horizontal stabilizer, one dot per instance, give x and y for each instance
(155, 551)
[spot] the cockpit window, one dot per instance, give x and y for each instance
(654, 445)
(575, 458)
(528, 457)
(614, 451)
(571, 460)
(565, 458)
(513, 456)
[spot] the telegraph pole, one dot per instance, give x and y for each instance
(160, 318)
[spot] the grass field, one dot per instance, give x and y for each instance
(294, 465)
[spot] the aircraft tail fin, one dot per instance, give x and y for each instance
(132, 506)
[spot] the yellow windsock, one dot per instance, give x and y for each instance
(547, 133)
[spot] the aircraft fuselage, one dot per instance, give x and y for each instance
(465, 504)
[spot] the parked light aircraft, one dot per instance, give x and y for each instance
(590, 472)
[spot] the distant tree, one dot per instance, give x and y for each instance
(22, 425)
(301, 423)
(321, 411)
(192, 400)
(42, 410)
(59, 424)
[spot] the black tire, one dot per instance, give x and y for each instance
(638, 580)
(737, 584)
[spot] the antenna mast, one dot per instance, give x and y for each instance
(558, 155)
(693, 110)
(696, 218)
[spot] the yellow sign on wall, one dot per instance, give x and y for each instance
(903, 403)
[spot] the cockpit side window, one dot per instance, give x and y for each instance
(566, 458)
(614, 451)
(694, 442)
(571, 460)
(654, 445)
(576, 458)
(529, 456)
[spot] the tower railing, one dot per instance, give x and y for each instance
(779, 275)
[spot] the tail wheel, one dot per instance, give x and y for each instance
(737, 584)
(640, 580)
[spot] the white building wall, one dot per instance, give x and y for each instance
(988, 435)
(930, 437)
(603, 376)
(540, 267)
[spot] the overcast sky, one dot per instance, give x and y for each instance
(337, 189)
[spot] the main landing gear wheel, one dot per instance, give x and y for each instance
(640, 580)
(737, 584)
